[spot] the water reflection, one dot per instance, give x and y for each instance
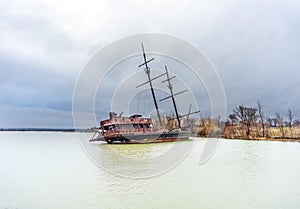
(139, 160)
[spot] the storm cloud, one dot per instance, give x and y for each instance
(253, 45)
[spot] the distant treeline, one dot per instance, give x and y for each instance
(48, 129)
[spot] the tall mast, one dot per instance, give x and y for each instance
(172, 94)
(189, 113)
(147, 71)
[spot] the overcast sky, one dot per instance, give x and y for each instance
(44, 44)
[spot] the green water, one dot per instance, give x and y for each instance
(51, 170)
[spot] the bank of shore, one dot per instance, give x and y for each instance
(267, 139)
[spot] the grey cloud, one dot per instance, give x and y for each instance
(253, 45)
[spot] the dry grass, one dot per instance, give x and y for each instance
(271, 133)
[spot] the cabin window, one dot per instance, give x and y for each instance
(105, 128)
(136, 126)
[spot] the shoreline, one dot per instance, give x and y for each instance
(71, 130)
(46, 130)
(267, 139)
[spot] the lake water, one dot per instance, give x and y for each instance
(51, 170)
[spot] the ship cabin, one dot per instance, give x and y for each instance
(118, 125)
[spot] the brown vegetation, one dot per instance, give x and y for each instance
(209, 127)
(251, 123)
(244, 123)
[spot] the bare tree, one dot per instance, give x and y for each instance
(290, 120)
(246, 116)
(233, 119)
(261, 115)
(280, 122)
(272, 122)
